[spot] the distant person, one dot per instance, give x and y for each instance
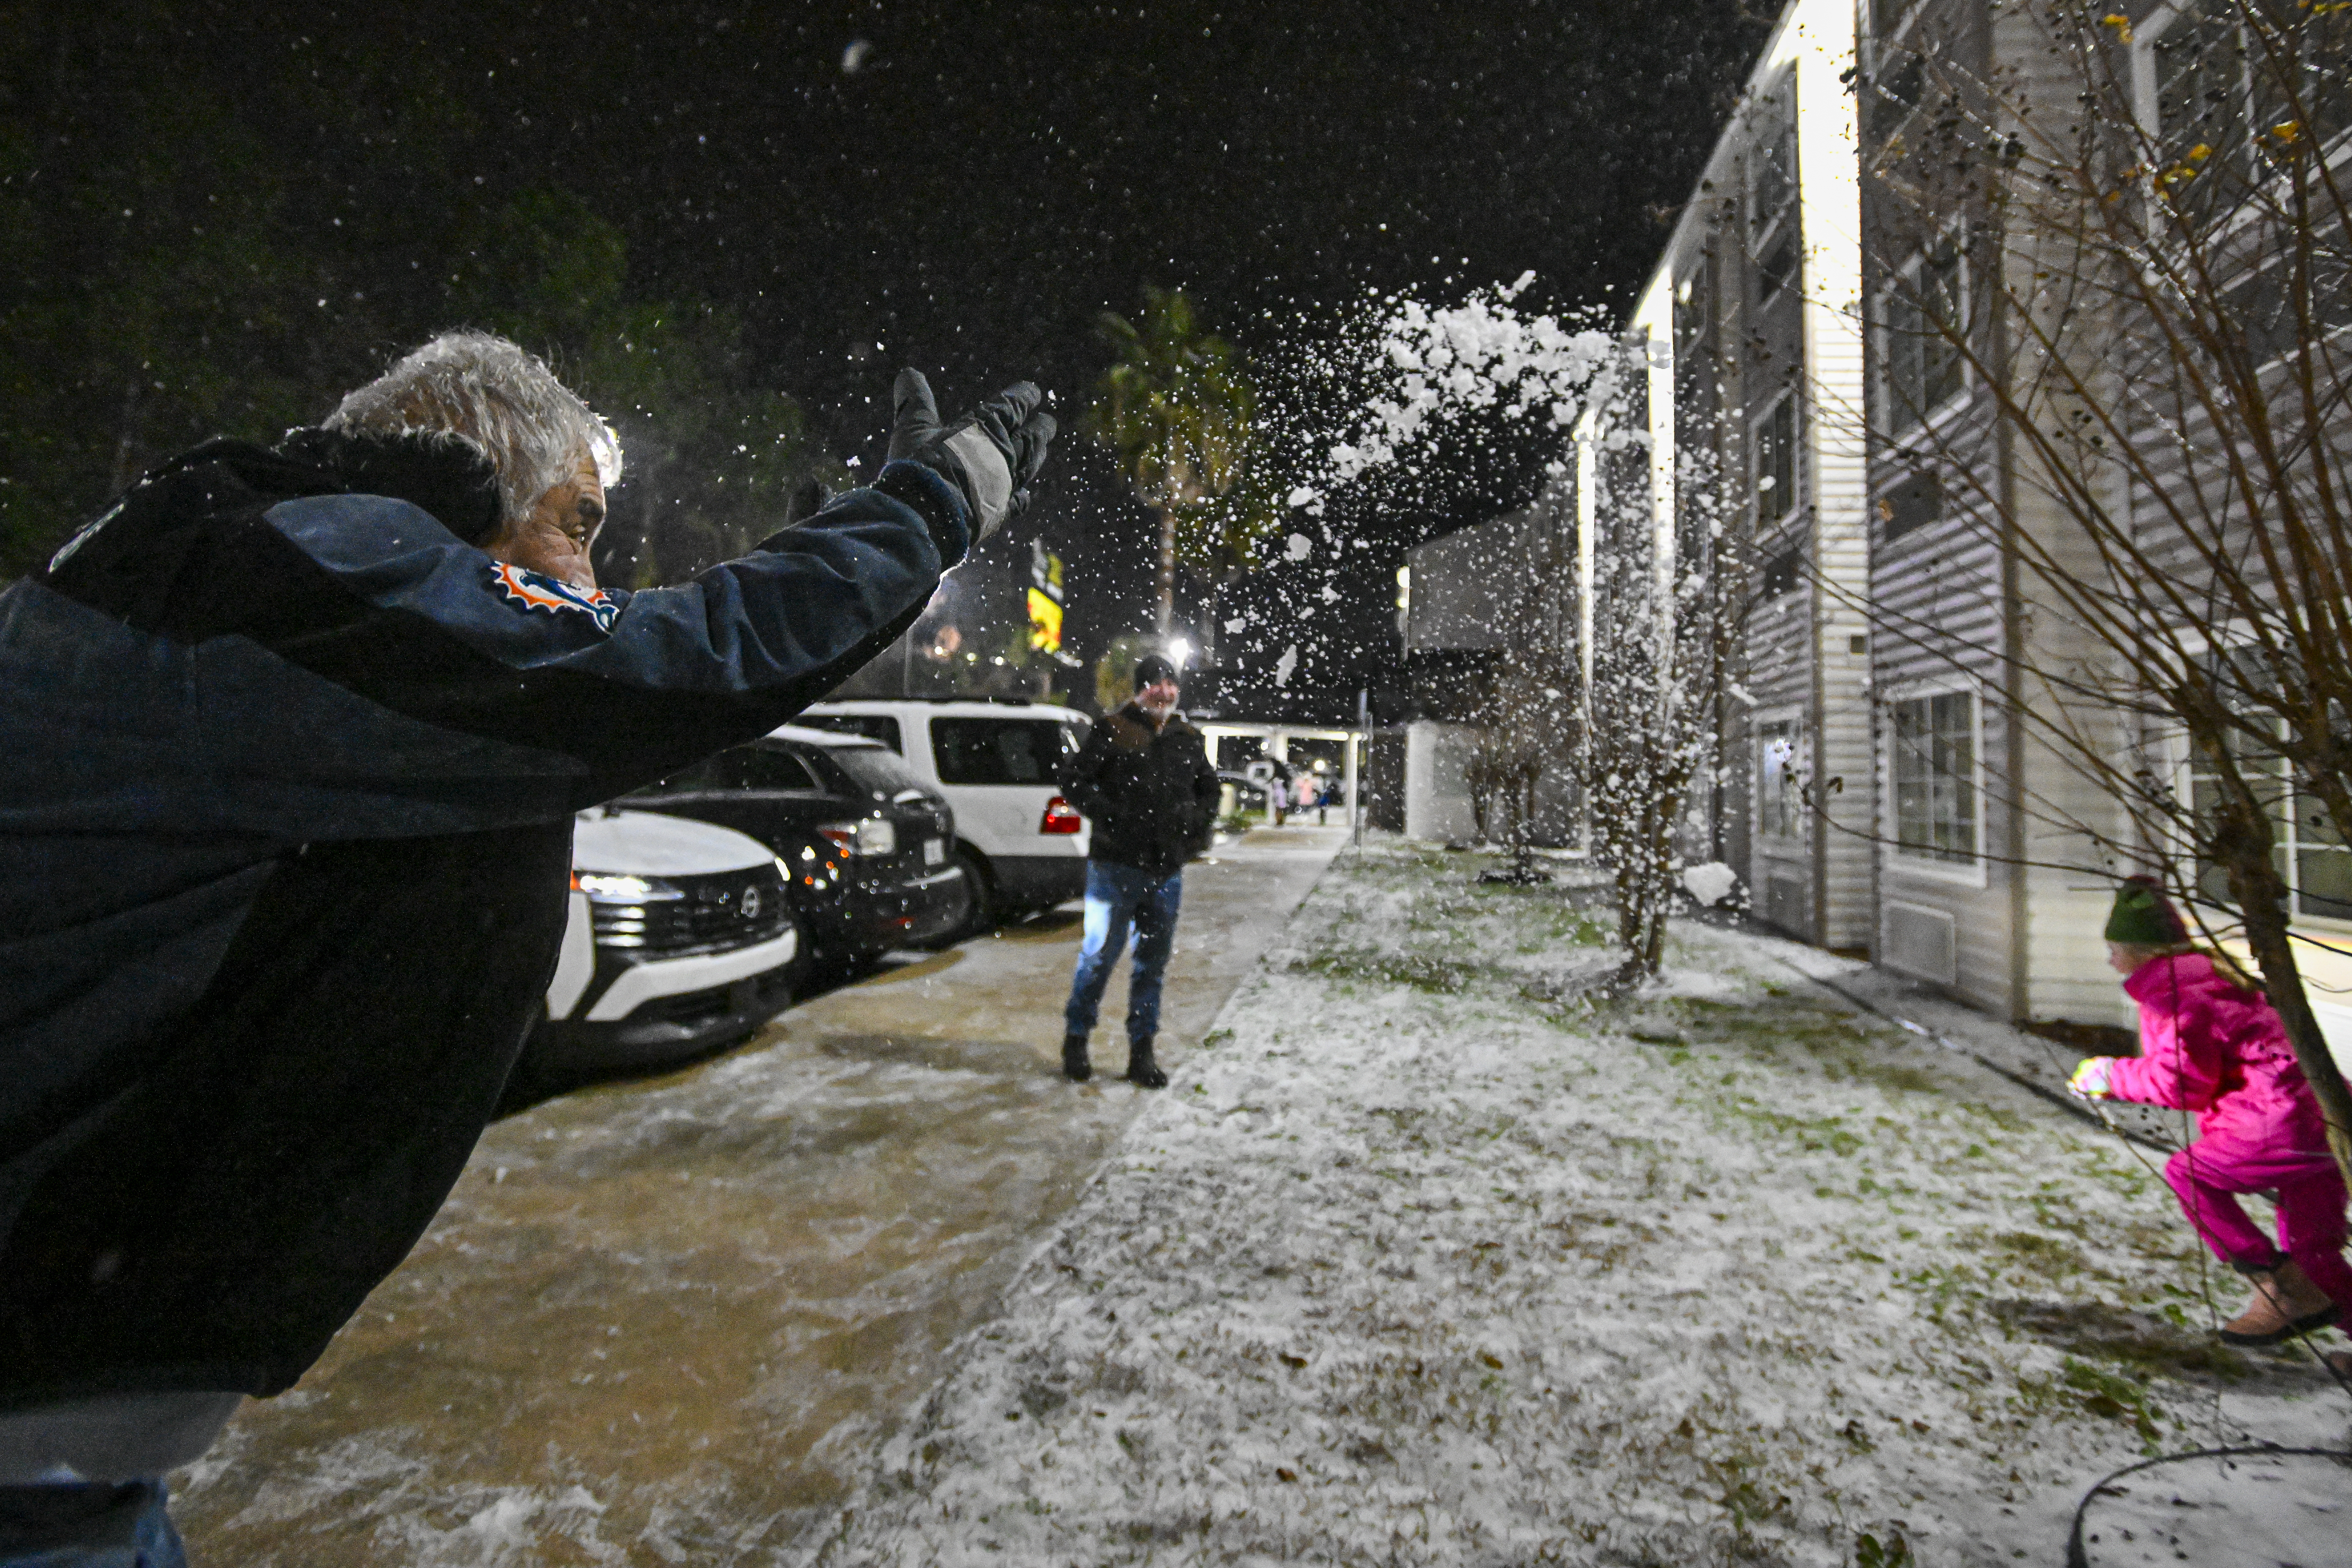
(2211, 1043)
(291, 740)
(1143, 778)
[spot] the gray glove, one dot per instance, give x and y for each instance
(990, 455)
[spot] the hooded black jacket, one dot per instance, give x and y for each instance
(1151, 793)
(288, 771)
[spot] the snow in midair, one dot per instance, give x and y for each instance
(1430, 366)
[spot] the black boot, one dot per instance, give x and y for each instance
(1075, 1066)
(1141, 1070)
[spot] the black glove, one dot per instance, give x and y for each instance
(990, 454)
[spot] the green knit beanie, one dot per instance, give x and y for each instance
(2143, 917)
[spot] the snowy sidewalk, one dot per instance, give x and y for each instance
(668, 1320)
(1420, 1264)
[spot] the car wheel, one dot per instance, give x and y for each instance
(961, 926)
(981, 918)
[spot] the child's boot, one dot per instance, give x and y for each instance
(1075, 1065)
(2286, 1300)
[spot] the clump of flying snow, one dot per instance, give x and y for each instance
(1434, 366)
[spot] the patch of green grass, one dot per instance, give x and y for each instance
(2046, 1256)
(2148, 1346)
(2098, 1392)
(1870, 1551)
(1422, 970)
(1814, 1134)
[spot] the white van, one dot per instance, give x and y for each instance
(1023, 846)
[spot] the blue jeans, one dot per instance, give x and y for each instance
(88, 1527)
(1119, 897)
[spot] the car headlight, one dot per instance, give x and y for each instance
(619, 888)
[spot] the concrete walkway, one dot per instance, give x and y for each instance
(668, 1320)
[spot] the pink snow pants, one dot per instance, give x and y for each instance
(2208, 1175)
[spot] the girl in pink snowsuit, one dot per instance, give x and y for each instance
(2214, 1046)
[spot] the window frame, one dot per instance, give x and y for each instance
(1764, 227)
(1919, 861)
(1790, 720)
(2148, 38)
(2286, 826)
(1901, 420)
(1784, 401)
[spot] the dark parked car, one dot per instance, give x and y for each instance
(866, 847)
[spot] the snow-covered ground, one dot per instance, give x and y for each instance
(1423, 1260)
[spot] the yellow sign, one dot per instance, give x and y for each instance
(1044, 622)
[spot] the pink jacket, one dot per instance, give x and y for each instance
(2209, 1045)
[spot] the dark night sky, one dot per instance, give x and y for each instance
(994, 174)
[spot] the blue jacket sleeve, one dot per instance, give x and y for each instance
(631, 684)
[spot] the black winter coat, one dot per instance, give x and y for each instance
(288, 773)
(1151, 793)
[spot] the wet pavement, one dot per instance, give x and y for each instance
(668, 1320)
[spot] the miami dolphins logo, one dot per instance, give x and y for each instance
(536, 591)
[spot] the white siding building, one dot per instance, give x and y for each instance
(1750, 329)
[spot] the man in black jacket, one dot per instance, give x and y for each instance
(1144, 779)
(290, 743)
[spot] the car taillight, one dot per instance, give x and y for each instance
(869, 835)
(1061, 816)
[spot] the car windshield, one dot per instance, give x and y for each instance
(744, 767)
(875, 768)
(873, 726)
(999, 751)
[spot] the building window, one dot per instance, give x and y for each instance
(1777, 269)
(2206, 82)
(2308, 854)
(1781, 570)
(1892, 91)
(1779, 789)
(1936, 777)
(1774, 437)
(1924, 314)
(1887, 17)
(1771, 180)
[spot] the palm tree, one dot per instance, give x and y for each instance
(1175, 406)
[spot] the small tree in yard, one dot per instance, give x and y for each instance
(1676, 593)
(2158, 310)
(1525, 708)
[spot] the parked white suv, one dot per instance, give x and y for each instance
(1023, 846)
(680, 939)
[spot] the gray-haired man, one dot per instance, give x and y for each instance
(290, 741)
